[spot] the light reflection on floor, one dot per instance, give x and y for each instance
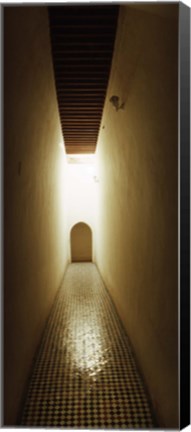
(87, 348)
(85, 374)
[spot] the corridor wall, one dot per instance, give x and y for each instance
(35, 253)
(137, 229)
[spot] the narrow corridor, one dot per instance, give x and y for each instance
(85, 374)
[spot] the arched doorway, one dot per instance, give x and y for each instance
(81, 242)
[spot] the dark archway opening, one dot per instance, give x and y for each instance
(81, 243)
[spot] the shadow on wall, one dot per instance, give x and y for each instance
(81, 242)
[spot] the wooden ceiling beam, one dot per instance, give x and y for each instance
(82, 40)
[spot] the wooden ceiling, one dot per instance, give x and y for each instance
(82, 39)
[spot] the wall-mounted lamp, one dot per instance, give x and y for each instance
(96, 179)
(116, 103)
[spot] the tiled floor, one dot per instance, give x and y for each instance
(85, 375)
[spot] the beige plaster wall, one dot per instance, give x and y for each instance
(81, 243)
(137, 224)
(35, 254)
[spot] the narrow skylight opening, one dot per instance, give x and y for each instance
(86, 159)
(83, 165)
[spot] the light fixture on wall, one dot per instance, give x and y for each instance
(96, 178)
(115, 101)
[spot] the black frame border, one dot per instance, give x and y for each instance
(184, 209)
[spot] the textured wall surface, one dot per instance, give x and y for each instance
(137, 157)
(34, 210)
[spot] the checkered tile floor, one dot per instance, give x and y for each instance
(85, 375)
